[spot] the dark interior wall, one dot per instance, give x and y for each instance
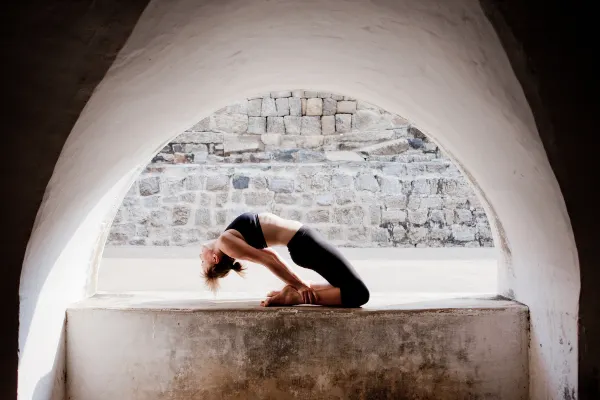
(552, 45)
(56, 52)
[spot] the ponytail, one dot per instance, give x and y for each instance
(220, 270)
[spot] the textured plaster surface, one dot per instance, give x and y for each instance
(471, 348)
(438, 63)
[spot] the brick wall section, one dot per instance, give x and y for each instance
(360, 175)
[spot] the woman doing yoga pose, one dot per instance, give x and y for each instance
(248, 238)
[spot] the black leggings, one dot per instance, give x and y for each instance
(310, 250)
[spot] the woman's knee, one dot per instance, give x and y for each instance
(355, 295)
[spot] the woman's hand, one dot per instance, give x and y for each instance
(308, 294)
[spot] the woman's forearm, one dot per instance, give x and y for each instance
(278, 267)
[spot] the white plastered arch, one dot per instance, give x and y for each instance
(437, 62)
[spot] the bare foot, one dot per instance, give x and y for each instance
(288, 296)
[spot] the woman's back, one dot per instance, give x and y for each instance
(277, 230)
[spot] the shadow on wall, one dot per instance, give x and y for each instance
(362, 176)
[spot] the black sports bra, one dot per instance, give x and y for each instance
(249, 226)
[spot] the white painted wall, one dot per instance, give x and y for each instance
(437, 62)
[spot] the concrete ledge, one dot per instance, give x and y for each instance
(149, 347)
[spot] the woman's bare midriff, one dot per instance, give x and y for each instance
(278, 231)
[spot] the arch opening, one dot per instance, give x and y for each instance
(452, 79)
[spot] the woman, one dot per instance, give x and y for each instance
(249, 236)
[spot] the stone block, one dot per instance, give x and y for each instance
(187, 198)
(281, 185)
(418, 217)
(369, 120)
(268, 109)
(314, 107)
(343, 197)
(439, 233)
(203, 217)
(346, 107)
(343, 123)
(311, 126)
(195, 148)
(391, 147)
(309, 94)
(484, 231)
(417, 234)
(200, 137)
(321, 181)
(254, 108)
(194, 182)
(358, 234)
(181, 215)
(298, 93)
(293, 125)
(217, 183)
(283, 106)
(257, 125)
(240, 182)
(303, 106)
(463, 233)
(271, 139)
(395, 201)
(310, 142)
(286, 198)
(343, 156)
(328, 125)
(202, 126)
(236, 197)
(395, 169)
(363, 105)
(258, 198)
(293, 214)
(239, 144)
(325, 199)
(349, 215)
(258, 182)
(317, 216)
(380, 235)
(329, 106)
(366, 181)
(221, 217)
(323, 95)
(230, 123)
(279, 95)
(398, 232)
(437, 216)
(334, 233)
(239, 107)
(295, 105)
(221, 199)
(425, 186)
(393, 216)
(337, 97)
(463, 216)
(275, 125)
(375, 214)
(389, 184)
(149, 186)
(434, 201)
(306, 156)
(456, 187)
(340, 180)
(306, 200)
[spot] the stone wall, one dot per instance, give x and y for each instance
(360, 175)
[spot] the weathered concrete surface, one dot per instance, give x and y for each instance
(140, 348)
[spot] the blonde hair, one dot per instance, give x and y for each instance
(220, 270)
